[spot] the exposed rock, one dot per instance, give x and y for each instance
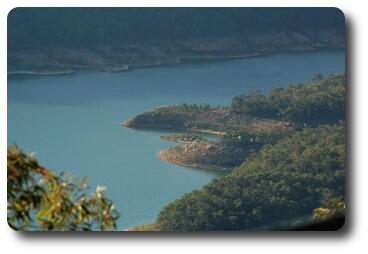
(157, 53)
(199, 155)
(183, 138)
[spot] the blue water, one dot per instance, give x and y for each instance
(73, 121)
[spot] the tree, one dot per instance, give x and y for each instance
(317, 77)
(40, 200)
(333, 208)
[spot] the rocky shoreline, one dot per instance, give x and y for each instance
(122, 67)
(207, 155)
(170, 156)
(38, 73)
(183, 138)
(160, 53)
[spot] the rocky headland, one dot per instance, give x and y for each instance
(198, 152)
(207, 155)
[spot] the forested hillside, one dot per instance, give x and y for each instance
(89, 27)
(280, 182)
(119, 39)
(251, 121)
(297, 169)
(315, 102)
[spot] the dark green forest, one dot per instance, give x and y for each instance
(32, 28)
(65, 40)
(280, 182)
(295, 172)
(320, 101)
(315, 102)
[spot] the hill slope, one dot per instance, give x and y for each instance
(281, 182)
(118, 39)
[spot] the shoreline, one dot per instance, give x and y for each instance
(194, 60)
(168, 155)
(131, 68)
(161, 156)
(42, 73)
(207, 131)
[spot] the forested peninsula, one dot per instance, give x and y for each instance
(65, 40)
(224, 155)
(250, 122)
(286, 150)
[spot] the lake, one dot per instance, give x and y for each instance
(73, 121)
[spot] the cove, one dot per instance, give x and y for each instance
(73, 121)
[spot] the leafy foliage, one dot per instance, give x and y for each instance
(40, 200)
(316, 102)
(280, 182)
(330, 209)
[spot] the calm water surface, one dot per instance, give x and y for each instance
(73, 121)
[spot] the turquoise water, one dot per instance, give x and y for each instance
(73, 121)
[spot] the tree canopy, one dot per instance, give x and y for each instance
(92, 27)
(316, 102)
(284, 181)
